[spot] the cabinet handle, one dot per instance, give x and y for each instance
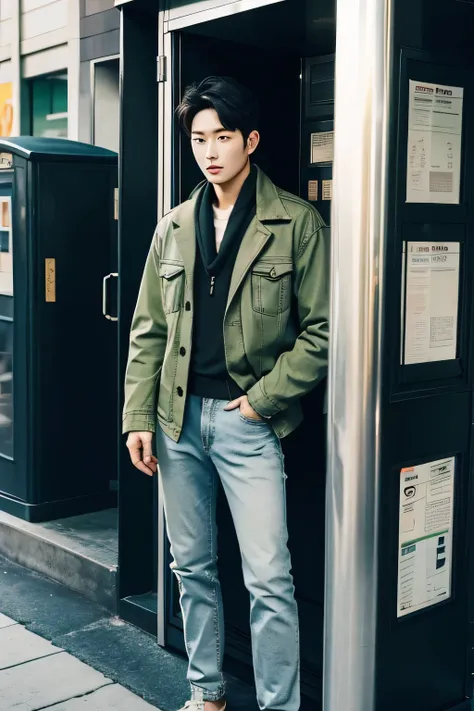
(104, 296)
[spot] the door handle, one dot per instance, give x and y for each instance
(105, 291)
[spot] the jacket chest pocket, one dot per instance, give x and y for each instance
(271, 287)
(172, 284)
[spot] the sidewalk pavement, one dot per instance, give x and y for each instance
(35, 674)
(60, 651)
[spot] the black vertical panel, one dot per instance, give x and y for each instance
(317, 116)
(197, 57)
(138, 210)
(426, 413)
(72, 353)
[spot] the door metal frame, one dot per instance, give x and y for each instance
(359, 237)
(206, 10)
(165, 119)
(165, 173)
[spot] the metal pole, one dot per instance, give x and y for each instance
(363, 50)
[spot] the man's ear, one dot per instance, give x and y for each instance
(252, 142)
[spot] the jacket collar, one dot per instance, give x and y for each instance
(269, 204)
(269, 208)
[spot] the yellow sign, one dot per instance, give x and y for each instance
(50, 277)
(6, 109)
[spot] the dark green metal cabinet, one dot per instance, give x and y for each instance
(58, 399)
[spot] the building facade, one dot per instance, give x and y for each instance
(99, 73)
(59, 69)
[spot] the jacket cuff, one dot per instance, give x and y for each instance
(138, 422)
(261, 403)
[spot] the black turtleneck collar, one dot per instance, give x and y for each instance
(240, 218)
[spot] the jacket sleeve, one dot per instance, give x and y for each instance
(298, 371)
(148, 337)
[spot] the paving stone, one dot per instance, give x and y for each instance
(18, 646)
(45, 682)
(130, 657)
(110, 698)
(6, 621)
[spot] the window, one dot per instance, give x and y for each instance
(49, 105)
(106, 104)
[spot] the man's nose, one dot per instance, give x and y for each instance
(211, 153)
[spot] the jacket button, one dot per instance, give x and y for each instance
(182, 351)
(187, 306)
(179, 390)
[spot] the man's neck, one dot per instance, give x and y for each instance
(227, 193)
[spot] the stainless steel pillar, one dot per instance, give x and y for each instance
(363, 51)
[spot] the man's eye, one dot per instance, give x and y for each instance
(224, 138)
(198, 140)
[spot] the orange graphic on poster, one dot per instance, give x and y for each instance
(6, 109)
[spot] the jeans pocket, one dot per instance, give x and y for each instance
(252, 420)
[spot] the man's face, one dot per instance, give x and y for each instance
(221, 154)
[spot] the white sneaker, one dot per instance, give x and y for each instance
(197, 706)
(193, 706)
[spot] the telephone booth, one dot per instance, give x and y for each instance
(367, 113)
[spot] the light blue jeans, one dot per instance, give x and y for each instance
(246, 455)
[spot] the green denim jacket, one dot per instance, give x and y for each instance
(276, 321)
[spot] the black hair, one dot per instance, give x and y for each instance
(235, 105)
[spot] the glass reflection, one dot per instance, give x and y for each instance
(6, 260)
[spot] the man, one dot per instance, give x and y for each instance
(230, 330)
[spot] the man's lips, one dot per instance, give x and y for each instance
(214, 169)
